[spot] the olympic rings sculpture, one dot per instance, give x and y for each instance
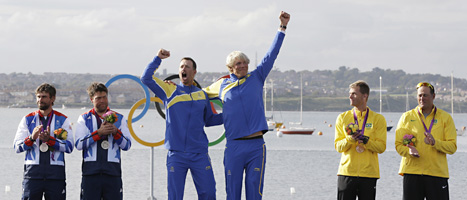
(147, 101)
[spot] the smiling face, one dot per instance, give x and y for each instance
(425, 99)
(240, 68)
(100, 102)
(186, 72)
(44, 101)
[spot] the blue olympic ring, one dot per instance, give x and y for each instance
(146, 92)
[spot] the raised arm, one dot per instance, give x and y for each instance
(268, 61)
(159, 87)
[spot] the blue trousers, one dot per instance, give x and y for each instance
(101, 186)
(200, 167)
(247, 156)
(34, 189)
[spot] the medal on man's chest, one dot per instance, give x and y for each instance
(360, 148)
(105, 144)
(44, 147)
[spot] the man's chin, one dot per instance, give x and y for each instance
(43, 107)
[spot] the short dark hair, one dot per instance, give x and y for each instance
(364, 88)
(190, 59)
(45, 87)
(96, 87)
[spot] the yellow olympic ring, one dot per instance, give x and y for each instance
(130, 127)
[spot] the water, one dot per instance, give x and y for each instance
(308, 164)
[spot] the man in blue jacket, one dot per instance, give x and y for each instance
(244, 119)
(188, 110)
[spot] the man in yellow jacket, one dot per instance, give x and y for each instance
(360, 136)
(424, 136)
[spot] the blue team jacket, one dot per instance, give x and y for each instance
(243, 110)
(187, 110)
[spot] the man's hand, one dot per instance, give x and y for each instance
(170, 82)
(163, 54)
(106, 129)
(44, 135)
(356, 136)
(413, 151)
(36, 132)
(430, 138)
(284, 17)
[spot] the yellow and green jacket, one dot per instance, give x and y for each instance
(363, 164)
(432, 160)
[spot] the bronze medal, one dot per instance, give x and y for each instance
(427, 139)
(360, 148)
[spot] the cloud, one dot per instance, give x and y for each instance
(122, 36)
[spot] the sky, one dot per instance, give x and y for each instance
(122, 37)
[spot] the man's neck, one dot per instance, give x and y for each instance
(361, 108)
(427, 111)
(100, 113)
(46, 113)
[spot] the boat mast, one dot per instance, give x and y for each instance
(272, 98)
(265, 88)
(380, 96)
(301, 97)
(452, 95)
(407, 106)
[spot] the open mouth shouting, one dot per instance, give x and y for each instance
(184, 76)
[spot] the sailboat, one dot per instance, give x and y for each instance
(298, 130)
(461, 131)
(272, 124)
(381, 101)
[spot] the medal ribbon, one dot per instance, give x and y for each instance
(99, 123)
(432, 120)
(364, 121)
(48, 122)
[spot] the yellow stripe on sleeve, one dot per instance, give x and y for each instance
(169, 89)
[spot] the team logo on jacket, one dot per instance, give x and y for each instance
(257, 169)
(183, 92)
(172, 169)
(369, 125)
(208, 167)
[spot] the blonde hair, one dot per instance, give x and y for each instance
(232, 57)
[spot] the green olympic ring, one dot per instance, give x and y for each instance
(222, 137)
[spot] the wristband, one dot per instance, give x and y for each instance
(30, 138)
(282, 26)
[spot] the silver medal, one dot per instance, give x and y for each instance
(105, 144)
(44, 147)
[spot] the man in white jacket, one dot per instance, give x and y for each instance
(45, 136)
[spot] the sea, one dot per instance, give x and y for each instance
(298, 166)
